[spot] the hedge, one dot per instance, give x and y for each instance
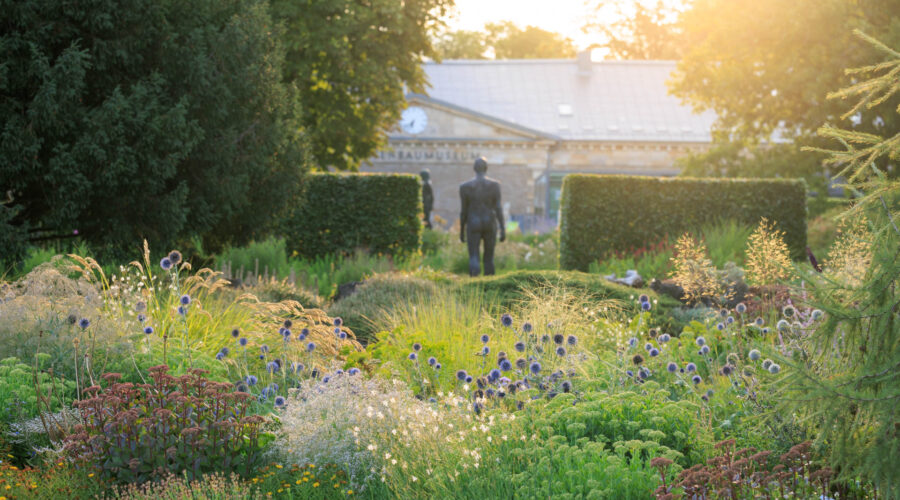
(602, 214)
(340, 213)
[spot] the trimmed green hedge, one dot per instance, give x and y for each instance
(602, 214)
(340, 213)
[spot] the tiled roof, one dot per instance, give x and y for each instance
(612, 101)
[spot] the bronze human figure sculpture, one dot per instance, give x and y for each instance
(480, 216)
(427, 196)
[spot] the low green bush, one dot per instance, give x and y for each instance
(340, 213)
(602, 214)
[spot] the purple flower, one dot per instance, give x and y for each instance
(353, 371)
(691, 367)
(461, 374)
(519, 346)
(469, 379)
(741, 308)
(485, 339)
(700, 341)
(343, 335)
(535, 367)
(311, 346)
(643, 298)
(279, 402)
(432, 361)
(720, 326)
(672, 367)
(165, 263)
(220, 356)
(696, 379)
(185, 300)
(505, 365)
(654, 352)
(646, 306)
(181, 310)
(572, 340)
(235, 333)
(84, 323)
(243, 341)
(264, 348)
(558, 339)
(527, 327)
(485, 350)
(506, 320)
(148, 330)
(704, 349)
(251, 380)
(288, 323)
(338, 321)
(560, 351)
(175, 256)
(417, 347)
(412, 356)
(141, 318)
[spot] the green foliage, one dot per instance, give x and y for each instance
(504, 40)
(642, 29)
(12, 236)
(338, 214)
(352, 64)
(605, 213)
(269, 255)
(145, 119)
(136, 433)
(24, 393)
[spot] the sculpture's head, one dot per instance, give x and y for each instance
(480, 165)
(425, 175)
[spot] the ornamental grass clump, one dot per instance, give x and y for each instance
(694, 271)
(138, 432)
(768, 258)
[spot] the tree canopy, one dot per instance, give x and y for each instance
(143, 119)
(642, 30)
(504, 40)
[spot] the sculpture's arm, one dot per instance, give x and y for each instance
(463, 214)
(498, 210)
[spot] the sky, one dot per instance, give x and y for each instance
(562, 16)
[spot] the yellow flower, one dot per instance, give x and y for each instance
(91, 474)
(299, 481)
(316, 484)
(277, 466)
(349, 492)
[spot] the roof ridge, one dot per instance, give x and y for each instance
(628, 62)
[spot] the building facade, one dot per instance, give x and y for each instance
(536, 121)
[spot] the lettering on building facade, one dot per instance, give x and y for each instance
(427, 155)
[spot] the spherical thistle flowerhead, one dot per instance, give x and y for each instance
(765, 331)
(506, 320)
(723, 312)
(519, 346)
(461, 374)
(412, 356)
(727, 370)
(637, 359)
(182, 311)
(494, 375)
(279, 402)
(817, 314)
(272, 367)
(720, 326)
(729, 320)
(243, 341)
(165, 263)
(432, 361)
(571, 340)
(251, 380)
(527, 327)
(469, 379)
(788, 311)
(559, 339)
(759, 322)
(545, 338)
(643, 373)
(84, 323)
(665, 338)
(521, 363)
(174, 256)
(220, 356)
(766, 364)
(505, 365)
(485, 338)
(140, 306)
(72, 319)
(643, 298)
(646, 306)
(148, 330)
(342, 335)
(704, 349)
(326, 379)
(754, 355)
(337, 330)
(696, 379)
(648, 346)
(774, 368)
(560, 351)
(654, 352)
(437, 366)
(297, 367)
(185, 300)
(235, 333)
(337, 321)
(783, 325)
(691, 367)
(264, 348)
(629, 373)
(700, 341)
(566, 386)
(535, 367)
(286, 333)
(353, 371)
(417, 347)
(672, 367)
(311, 347)
(741, 308)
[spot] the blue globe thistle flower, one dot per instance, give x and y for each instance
(632, 341)
(326, 379)
(723, 312)
(148, 330)
(141, 318)
(226, 351)
(338, 321)
(241, 387)
(175, 256)
(84, 323)
(505, 365)
(696, 379)
(286, 333)
(788, 311)
(643, 298)
(314, 373)
(304, 332)
(691, 367)
(672, 367)
(704, 349)
(288, 323)
(783, 325)
(521, 363)
(566, 386)
(646, 306)
(343, 335)
(140, 306)
(311, 346)
(272, 367)
(560, 351)
(558, 339)
(220, 356)
(432, 400)
(754, 354)
(485, 350)
(729, 320)
(648, 346)
(185, 300)
(437, 366)
(243, 341)
(727, 370)
(637, 359)
(817, 314)
(301, 336)
(469, 379)
(629, 373)
(431, 361)
(759, 322)
(741, 308)
(337, 330)
(353, 371)
(279, 402)
(262, 356)
(264, 348)
(182, 311)
(766, 330)
(461, 374)
(643, 373)
(654, 352)
(545, 338)
(494, 375)
(296, 367)
(417, 347)
(527, 327)
(571, 340)
(666, 337)
(520, 405)
(700, 341)
(235, 333)
(251, 380)
(774, 368)
(720, 326)
(506, 320)
(339, 372)
(519, 346)
(165, 263)
(535, 367)
(412, 356)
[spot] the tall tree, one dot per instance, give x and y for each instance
(509, 41)
(130, 119)
(353, 62)
(641, 30)
(462, 44)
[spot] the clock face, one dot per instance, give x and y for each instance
(413, 120)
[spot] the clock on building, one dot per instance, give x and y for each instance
(413, 120)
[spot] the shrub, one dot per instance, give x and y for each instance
(21, 388)
(188, 423)
(605, 213)
(341, 213)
